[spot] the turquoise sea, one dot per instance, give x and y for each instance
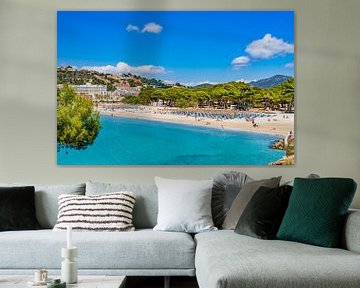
(126, 141)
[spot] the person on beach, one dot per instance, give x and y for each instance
(290, 137)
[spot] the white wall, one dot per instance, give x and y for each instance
(327, 90)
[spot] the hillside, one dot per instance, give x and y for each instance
(203, 85)
(269, 82)
(71, 76)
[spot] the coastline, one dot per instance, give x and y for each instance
(277, 124)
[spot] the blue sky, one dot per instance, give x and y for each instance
(186, 47)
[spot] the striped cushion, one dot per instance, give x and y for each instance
(105, 212)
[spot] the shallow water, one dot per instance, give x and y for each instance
(126, 141)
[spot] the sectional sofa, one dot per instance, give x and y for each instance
(219, 259)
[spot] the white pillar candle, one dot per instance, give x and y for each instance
(69, 237)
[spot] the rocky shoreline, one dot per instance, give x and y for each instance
(289, 158)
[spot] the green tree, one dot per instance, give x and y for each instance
(110, 87)
(145, 96)
(219, 95)
(287, 93)
(269, 98)
(201, 97)
(77, 123)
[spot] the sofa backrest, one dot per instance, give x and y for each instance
(46, 200)
(146, 203)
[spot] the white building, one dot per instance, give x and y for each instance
(88, 89)
(91, 89)
(123, 90)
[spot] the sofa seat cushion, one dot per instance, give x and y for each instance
(142, 249)
(225, 259)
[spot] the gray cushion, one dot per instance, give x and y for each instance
(146, 204)
(244, 197)
(144, 249)
(351, 235)
(184, 205)
(226, 187)
(225, 259)
(310, 176)
(46, 200)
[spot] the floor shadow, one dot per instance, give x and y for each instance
(158, 282)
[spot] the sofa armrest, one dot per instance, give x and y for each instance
(351, 234)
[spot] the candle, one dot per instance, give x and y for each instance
(69, 237)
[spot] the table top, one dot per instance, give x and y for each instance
(84, 281)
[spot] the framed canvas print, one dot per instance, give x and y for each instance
(175, 88)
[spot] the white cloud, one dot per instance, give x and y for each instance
(240, 61)
(268, 47)
(244, 80)
(152, 27)
(289, 65)
(123, 67)
(199, 83)
(132, 28)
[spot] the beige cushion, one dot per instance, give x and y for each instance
(243, 198)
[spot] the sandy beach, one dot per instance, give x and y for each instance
(270, 123)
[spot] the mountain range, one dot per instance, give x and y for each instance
(69, 75)
(269, 82)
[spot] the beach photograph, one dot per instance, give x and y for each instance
(175, 88)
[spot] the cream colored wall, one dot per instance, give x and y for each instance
(327, 90)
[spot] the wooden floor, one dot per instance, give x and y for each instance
(158, 282)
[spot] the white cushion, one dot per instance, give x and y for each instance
(184, 205)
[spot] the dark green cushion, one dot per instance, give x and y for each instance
(316, 211)
(17, 208)
(263, 214)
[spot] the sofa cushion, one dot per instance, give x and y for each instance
(105, 212)
(243, 198)
(46, 200)
(350, 239)
(184, 205)
(225, 259)
(225, 189)
(263, 215)
(310, 176)
(146, 205)
(17, 208)
(317, 210)
(143, 249)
